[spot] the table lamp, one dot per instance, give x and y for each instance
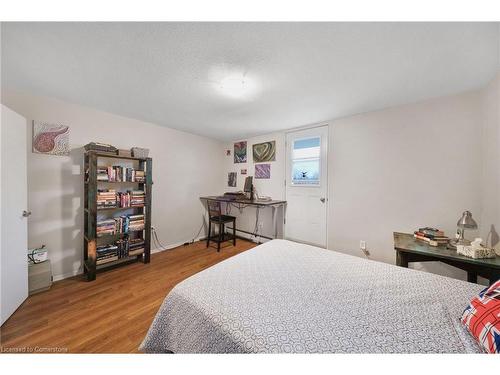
(465, 222)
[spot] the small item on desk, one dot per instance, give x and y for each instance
(476, 250)
(264, 199)
(433, 236)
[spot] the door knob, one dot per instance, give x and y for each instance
(322, 200)
(26, 213)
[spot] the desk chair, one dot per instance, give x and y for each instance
(215, 216)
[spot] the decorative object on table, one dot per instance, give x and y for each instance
(240, 152)
(476, 250)
(141, 153)
(264, 152)
(231, 179)
(263, 171)
(38, 255)
(100, 147)
(432, 236)
(51, 139)
(465, 222)
(482, 320)
(243, 171)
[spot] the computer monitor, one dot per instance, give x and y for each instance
(249, 186)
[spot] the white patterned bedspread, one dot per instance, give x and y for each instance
(283, 297)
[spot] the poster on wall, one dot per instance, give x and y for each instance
(231, 179)
(240, 152)
(244, 171)
(264, 152)
(263, 171)
(50, 139)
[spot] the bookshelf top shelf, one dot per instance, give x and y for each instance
(106, 155)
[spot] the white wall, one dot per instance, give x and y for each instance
(490, 183)
(272, 187)
(185, 166)
(403, 168)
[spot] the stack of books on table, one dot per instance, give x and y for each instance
(106, 198)
(135, 246)
(106, 254)
(135, 223)
(432, 236)
(137, 198)
(106, 227)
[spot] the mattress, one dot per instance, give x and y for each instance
(286, 297)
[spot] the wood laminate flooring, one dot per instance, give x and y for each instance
(111, 314)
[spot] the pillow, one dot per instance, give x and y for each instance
(482, 318)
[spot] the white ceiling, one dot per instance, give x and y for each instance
(304, 73)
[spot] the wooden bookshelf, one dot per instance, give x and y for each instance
(91, 212)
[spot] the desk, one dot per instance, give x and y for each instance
(274, 204)
(408, 249)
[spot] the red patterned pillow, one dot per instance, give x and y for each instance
(482, 318)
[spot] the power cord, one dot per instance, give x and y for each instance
(195, 237)
(156, 240)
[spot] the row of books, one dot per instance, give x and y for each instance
(118, 173)
(132, 198)
(119, 225)
(109, 198)
(433, 236)
(120, 249)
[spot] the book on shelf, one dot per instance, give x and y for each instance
(120, 225)
(106, 198)
(118, 173)
(122, 248)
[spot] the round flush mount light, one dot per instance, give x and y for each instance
(235, 85)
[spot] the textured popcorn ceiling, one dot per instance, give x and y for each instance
(299, 73)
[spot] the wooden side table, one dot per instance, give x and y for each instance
(408, 249)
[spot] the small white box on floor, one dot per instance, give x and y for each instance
(39, 277)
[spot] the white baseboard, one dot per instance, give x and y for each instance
(75, 272)
(79, 270)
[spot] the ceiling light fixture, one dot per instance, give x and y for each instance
(236, 85)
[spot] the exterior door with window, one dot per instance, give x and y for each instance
(307, 186)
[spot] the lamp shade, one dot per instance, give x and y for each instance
(466, 221)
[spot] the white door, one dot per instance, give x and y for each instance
(306, 186)
(14, 200)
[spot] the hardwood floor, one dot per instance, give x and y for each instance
(111, 314)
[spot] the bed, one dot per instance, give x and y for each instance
(285, 297)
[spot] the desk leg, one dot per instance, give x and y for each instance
(275, 222)
(494, 277)
(472, 277)
(401, 259)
